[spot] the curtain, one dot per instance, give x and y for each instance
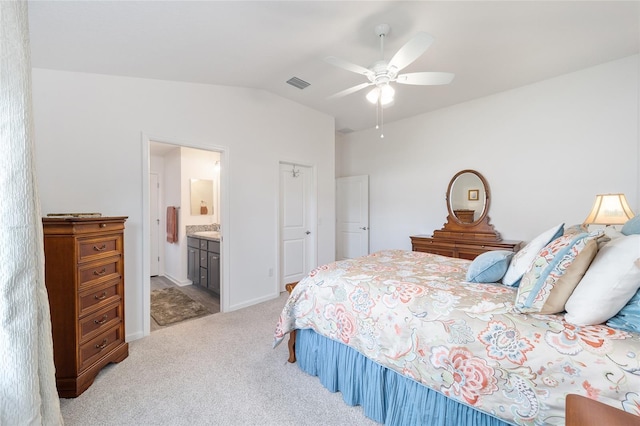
(28, 393)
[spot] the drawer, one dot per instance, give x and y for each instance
(95, 248)
(203, 258)
(56, 226)
(203, 244)
(96, 297)
(98, 272)
(100, 346)
(203, 276)
(214, 246)
(95, 323)
(193, 242)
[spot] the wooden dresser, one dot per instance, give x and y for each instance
(460, 247)
(84, 276)
(468, 231)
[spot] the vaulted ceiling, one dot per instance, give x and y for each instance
(491, 46)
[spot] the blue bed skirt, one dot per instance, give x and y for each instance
(386, 396)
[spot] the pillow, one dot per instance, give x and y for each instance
(555, 272)
(609, 283)
(632, 226)
(610, 233)
(576, 229)
(629, 317)
(522, 259)
(489, 267)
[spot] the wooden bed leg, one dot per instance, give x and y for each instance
(292, 335)
(292, 347)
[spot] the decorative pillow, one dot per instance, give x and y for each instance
(609, 283)
(575, 229)
(489, 267)
(522, 259)
(610, 233)
(629, 317)
(632, 226)
(555, 272)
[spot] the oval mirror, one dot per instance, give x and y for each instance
(468, 197)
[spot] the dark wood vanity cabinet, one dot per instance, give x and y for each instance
(193, 260)
(467, 232)
(203, 263)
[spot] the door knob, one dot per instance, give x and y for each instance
(308, 232)
(364, 228)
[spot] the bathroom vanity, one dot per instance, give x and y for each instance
(203, 260)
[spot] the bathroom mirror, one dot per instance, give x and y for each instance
(201, 197)
(467, 197)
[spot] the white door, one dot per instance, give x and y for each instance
(352, 204)
(154, 225)
(297, 223)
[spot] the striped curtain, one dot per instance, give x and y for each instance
(28, 393)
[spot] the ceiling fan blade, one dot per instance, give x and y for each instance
(341, 63)
(425, 78)
(411, 51)
(350, 90)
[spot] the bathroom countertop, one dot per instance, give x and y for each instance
(206, 235)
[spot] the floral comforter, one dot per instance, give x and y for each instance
(414, 313)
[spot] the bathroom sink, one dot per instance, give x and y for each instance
(208, 234)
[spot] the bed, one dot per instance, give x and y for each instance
(411, 339)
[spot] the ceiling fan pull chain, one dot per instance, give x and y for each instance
(381, 118)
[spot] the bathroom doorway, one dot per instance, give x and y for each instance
(169, 168)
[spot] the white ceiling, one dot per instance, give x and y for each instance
(491, 46)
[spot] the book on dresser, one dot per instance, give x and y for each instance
(84, 276)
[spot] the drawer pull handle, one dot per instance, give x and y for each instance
(103, 225)
(104, 271)
(102, 321)
(96, 248)
(101, 297)
(103, 345)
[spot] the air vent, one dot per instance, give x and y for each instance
(299, 83)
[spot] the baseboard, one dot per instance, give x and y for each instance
(253, 302)
(176, 281)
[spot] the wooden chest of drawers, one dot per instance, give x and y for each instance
(461, 248)
(84, 275)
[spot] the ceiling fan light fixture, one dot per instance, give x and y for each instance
(384, 94)
(372, 96)
(387, 94)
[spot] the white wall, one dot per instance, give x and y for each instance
(89, 158)
(546, 150)
(173, 196)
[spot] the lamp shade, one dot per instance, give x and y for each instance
(609, 209)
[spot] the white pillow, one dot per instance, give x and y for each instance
(609, 283)
(522, 260)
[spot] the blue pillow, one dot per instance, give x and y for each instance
(629, 317)
(632, 226)
(489, 267)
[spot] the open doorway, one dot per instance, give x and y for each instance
(172, 173)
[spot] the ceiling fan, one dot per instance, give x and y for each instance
(382, 72)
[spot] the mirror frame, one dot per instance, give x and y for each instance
(480, 229)
(487, 198)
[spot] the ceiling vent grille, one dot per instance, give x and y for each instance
(297, 82)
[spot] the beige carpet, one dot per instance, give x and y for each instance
(219, 369)
(170, 305)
